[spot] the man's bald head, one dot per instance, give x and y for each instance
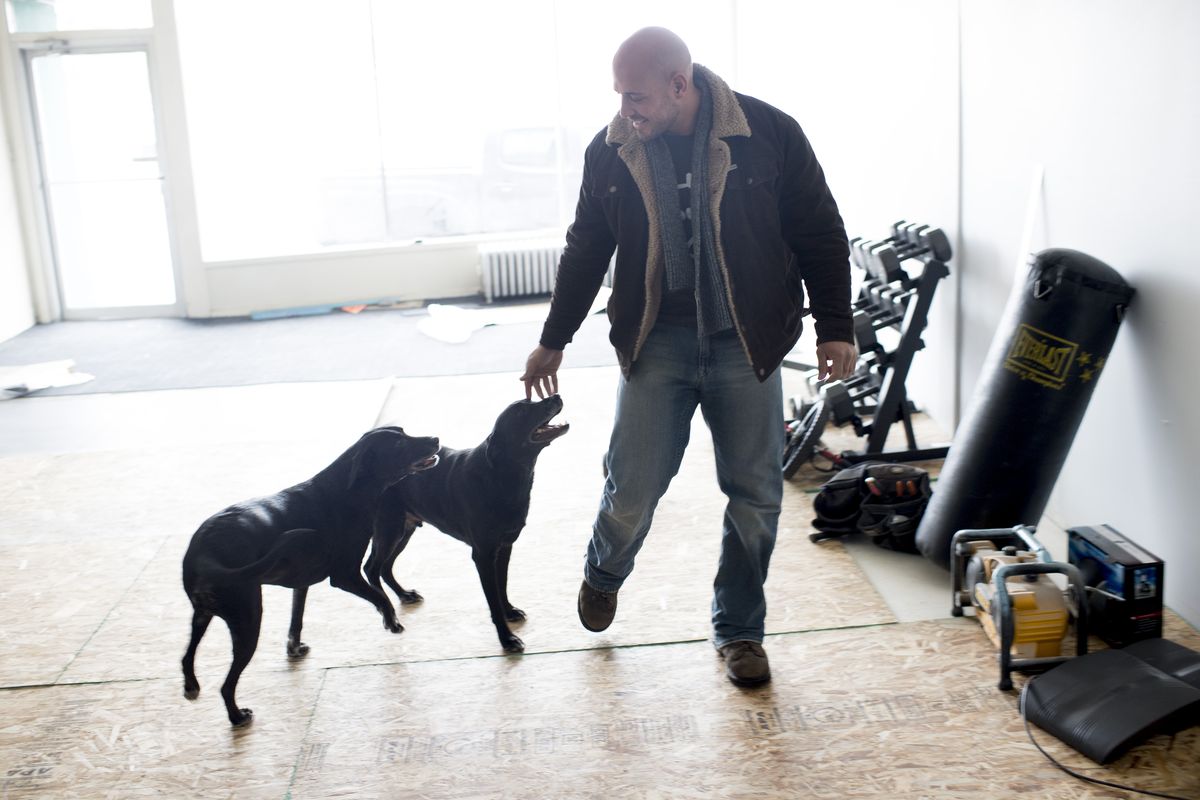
(655, 50)
(652, 71)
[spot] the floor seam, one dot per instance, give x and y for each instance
(300, 755)
(325, 670)
(629, 646)
(107, 615)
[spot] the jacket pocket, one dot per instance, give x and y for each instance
(611, 183)
(752, 174)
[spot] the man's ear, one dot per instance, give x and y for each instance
(678, 83)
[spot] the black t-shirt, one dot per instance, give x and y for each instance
(679, 308)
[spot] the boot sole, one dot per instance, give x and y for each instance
(747, 682)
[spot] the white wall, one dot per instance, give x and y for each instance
(881, 113)
(1100, 94)
(874, 84)
(16, 307)
(419, 272)
(1103, 95)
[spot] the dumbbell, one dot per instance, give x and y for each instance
(922, 240)
(926, 240)
(870, 287)
(876, 298)
(869, 348)
(860, 247)
(864, 334)
(906, 236)
(816, 388)
(893, 305)
(837, 398)
(860, 250)
(911, 233)
(884, 260)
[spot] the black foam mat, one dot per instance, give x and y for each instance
(150, 354)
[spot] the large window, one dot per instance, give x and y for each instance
(44, 16)
(317, 125)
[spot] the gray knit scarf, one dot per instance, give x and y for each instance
(698, 270)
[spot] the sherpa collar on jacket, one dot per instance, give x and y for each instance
(728, 119)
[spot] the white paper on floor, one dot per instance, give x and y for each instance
(455, 324)
(21, 380)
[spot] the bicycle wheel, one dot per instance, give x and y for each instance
(802, 444)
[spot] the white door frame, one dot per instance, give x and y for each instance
(31, 46)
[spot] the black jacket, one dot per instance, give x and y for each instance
(776, 225)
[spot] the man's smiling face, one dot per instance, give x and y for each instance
(649, 99)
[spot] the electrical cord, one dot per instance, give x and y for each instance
(1079, 775)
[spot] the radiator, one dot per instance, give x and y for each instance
(518, 269)
(521, 269)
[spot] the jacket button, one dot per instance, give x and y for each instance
(749, 181)
(612, 189)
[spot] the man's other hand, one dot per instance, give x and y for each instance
(836, 360)
(541, 372)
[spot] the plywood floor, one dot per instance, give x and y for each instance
(870, 698)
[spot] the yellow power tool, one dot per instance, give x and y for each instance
(1003, 574)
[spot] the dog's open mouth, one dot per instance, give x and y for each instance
(548, 432)
(426, 463)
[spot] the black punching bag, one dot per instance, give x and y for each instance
(1048, 352)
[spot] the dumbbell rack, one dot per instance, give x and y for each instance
(889, 298)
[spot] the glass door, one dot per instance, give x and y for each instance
(103, 183)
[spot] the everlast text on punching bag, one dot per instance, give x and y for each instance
(1040, 373)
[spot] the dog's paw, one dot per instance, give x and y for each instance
(191, 692)
(243, 718)
(393, 625)
(408, 598)
(297, 649)
(512, 644)
(514, 615)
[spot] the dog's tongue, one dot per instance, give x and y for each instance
(550, 431)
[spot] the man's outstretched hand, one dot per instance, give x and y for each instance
(836, 360)
(541, 372)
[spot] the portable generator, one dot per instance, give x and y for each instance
(1124, 584)
(1003, 574)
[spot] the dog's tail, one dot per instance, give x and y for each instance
(298, 544)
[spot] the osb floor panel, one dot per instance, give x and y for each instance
(93, 622)
(138, 617)
(901, 710)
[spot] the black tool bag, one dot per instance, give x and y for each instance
(884, 501)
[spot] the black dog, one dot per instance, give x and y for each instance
(479, 496)
(314, 530)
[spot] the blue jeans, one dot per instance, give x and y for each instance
(675, 372)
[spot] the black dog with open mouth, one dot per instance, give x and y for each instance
(479, 496)
(300, 536)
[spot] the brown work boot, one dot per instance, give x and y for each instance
(596, 608)
(745, 663)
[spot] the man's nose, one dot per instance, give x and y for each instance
(626, 108)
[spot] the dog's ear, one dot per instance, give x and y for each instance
(360, 459)
(491, 450)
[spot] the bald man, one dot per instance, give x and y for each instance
(721, 220)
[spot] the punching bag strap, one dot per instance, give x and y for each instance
(1043, 288)
(1064, 271)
